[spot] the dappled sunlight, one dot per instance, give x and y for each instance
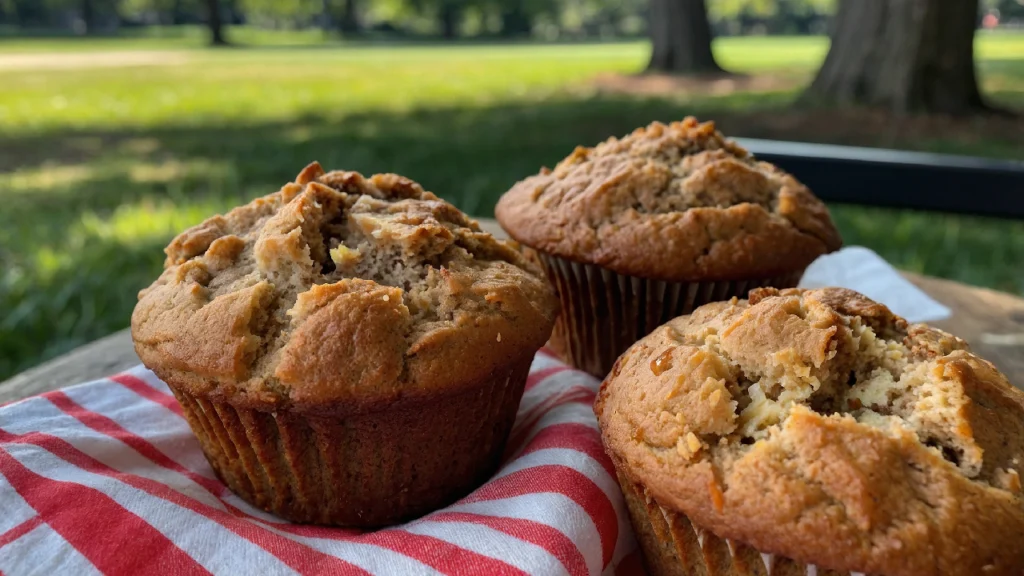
(55, 179)
(45, 177)
(140, 146)
(147, 220)
(173, 169)
(81, 283)
(682, 86)
(297, 134)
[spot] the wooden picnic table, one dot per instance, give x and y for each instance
(991, 322)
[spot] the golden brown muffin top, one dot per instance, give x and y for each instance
(673, 202)
(339, 291)
(819, 426)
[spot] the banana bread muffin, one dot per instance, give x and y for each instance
(348, 350)
(637, 231)
(815, 432)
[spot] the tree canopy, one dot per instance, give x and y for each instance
(543, 19)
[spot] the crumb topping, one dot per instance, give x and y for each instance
(817, 425)
(278, 293)
(684, 187)
(733, 373)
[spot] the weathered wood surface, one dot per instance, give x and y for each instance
(992, 322)
(97, 359)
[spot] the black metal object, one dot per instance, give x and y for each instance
(879, 177)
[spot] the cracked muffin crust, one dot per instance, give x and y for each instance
(673, 202)
(345, 304)
(819, 427)
(639, 230)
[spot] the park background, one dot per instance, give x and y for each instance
(124, 121)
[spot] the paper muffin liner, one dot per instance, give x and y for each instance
(672, 545)
(361, 470)
(604, 313)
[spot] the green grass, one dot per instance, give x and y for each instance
(101, 165)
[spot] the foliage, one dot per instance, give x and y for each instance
(733, 9)
(1008, 10)
(274, 13)
(770, 16)
(547, 19)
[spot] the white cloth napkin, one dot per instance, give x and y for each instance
(861, 269)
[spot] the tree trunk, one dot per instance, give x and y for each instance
(449, 17)
(515, 21)
(177, 13)
(88, 16)
(681, 38)
(234, 15)
(350, 22)
(28, 13)
(326, 16)
(215, 24)
(904, 55)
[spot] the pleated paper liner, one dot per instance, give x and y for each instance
(672, 546)
(364, 470)
(603, 312)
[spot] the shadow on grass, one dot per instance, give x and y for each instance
(85, 214)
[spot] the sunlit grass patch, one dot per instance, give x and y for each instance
(146, 221)
(48, 177)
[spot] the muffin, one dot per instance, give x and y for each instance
(347, 350)
(637, 231)
(815, 432)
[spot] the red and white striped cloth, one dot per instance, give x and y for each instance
(105, 477)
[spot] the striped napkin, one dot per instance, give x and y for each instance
(105, 477)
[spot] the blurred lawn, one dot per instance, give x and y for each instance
(102, 162)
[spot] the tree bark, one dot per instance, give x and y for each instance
(903, 55)
(681, 38)
(350, 22)
(215, 24)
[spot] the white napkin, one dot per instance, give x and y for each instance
(861, 269)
